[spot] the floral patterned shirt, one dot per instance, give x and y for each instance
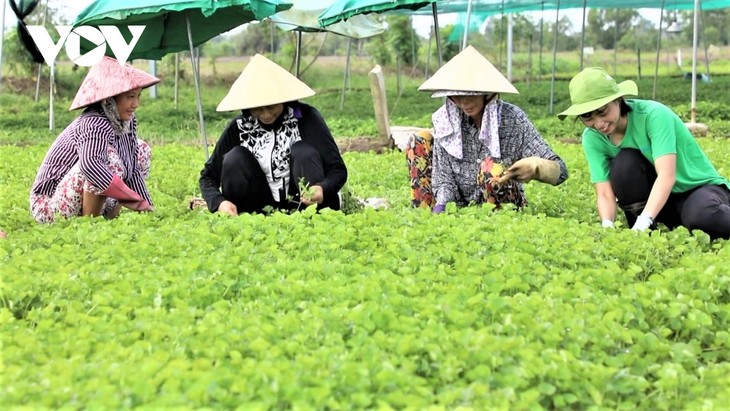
(455, 180)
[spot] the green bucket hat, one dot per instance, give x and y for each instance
(592, 89)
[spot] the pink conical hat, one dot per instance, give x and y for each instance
(108, 78)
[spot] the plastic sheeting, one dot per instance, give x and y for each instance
(491, 7)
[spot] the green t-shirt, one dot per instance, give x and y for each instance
(655, 130)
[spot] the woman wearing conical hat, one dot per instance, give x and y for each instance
(482, 149)
(277, 152)
(97, 164)
(641, 155)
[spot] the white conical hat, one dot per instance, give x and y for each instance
(468, 71)
(263, 83)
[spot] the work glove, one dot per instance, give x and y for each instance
(138, 205)
(126, 196)
(642, 223)
(529, 168)
(607, 224)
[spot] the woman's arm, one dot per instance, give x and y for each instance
(666, 167)
(605, 203)
(94, 134)
(534, 157)
(442, 178)
(315, 131)
(210, 175)
(137, 180)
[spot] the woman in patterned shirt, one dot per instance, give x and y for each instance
(97, 164)
(482, 149)
(277, 152)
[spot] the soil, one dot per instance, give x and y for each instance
(365, 145)
(24, 85)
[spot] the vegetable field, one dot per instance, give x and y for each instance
(386, 309)
(473, 309)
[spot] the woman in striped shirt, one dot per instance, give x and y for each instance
(97, 164)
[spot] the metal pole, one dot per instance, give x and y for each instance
(153, 71)
(658, 50)
(414, 59)
(695, 37)
(50, 97)
(40, 65)
(704, 43)
(177, 76)
(2, 38)
(555, 55)
(298, 54)
(501, 35)
(347, 73)
(428, 53)
(466, 26)
(615, 41)
(539, 60)
(583, 35)
(272, 37)
(436, 31)
(509, 47)
(529, 62)
(196, 75)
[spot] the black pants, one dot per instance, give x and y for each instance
(244, 183)
(705, 208)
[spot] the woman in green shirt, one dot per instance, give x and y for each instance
(641, 155)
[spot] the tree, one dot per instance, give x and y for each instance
(565, 40)
(402, 38)
(217, 47)
(720, 21)
(256, 38)
(15, 57)
(377, 48)
(17, 53)
(642, 35)
(522, 29)
(605, 27)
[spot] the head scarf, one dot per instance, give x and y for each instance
(448, 133)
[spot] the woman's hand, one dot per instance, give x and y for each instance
(227, 207)
(526, 169)
(317, 195)
(2, 234)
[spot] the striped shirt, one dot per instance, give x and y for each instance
(85, 142)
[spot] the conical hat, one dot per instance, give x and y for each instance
(468, 71)
(263, 83)
(108, 78)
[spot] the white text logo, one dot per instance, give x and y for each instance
(71, 37)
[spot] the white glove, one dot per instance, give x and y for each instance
(607, 224)
(642, 223)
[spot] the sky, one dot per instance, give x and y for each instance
(422, 23)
